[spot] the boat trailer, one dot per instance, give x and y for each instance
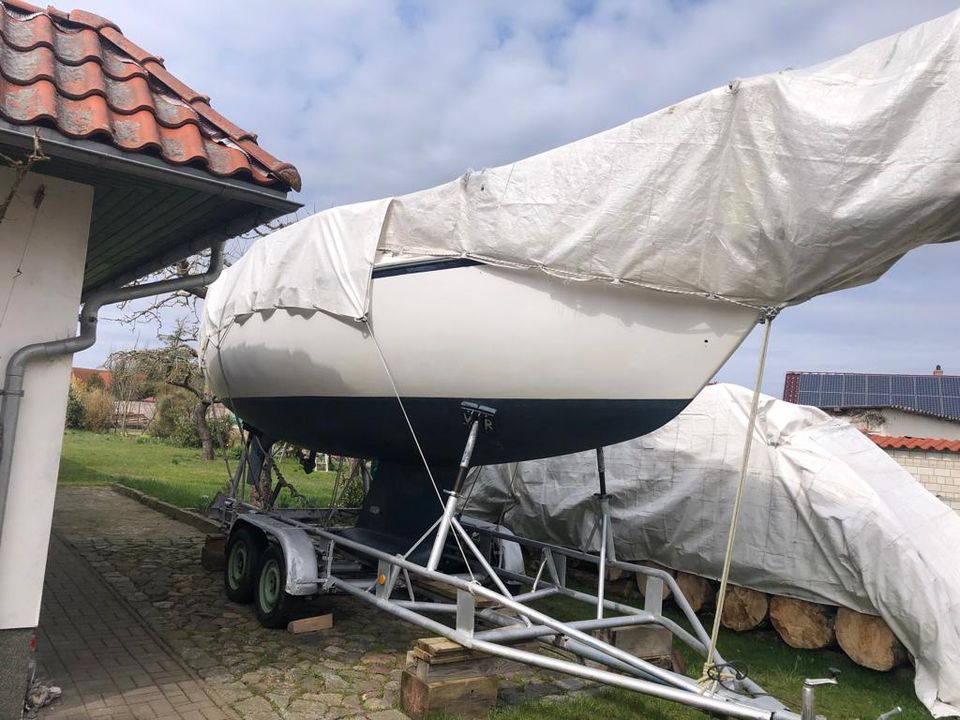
(277, 555)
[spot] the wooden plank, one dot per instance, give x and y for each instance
(445, 591)
(464, 697)
(311, 624)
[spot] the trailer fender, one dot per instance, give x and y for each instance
(299, 555)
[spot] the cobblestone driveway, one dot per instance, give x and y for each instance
(152, 562)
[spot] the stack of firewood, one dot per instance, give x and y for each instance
(866, 639)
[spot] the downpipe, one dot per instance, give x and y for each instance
(16, 367)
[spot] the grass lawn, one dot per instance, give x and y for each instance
(181, 477)
(178, 475)
(779, 669)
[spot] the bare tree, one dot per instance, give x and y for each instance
(126, 381)
(175, 363)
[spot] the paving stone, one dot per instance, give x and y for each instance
(391, 714)
(97, 647)
(353, 669)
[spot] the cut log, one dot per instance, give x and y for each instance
(699, 591)
(801, 624)
(614, 573)
(868, 640)
(744, 609)
(641, 579)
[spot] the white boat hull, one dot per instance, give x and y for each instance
(567, 365)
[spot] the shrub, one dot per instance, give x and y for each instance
(93, 381)
(74, 418)
(173, 421)
(97, 410)
(171, 410)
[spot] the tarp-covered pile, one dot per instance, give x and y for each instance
(827, 517)
(768, 192)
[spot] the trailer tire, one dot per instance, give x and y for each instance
(243, 559)
(273, 603)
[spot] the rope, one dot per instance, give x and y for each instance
(416, 441)
(403, 409)
(710, 669)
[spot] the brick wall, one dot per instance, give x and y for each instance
(938, 471)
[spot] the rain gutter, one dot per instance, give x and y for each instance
(12, 390)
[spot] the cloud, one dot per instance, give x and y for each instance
(371, 99)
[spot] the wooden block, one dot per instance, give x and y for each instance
(465, 697)
(311, 624)
(643, 641)
(438, 659)
(449, 593)
(213, 554)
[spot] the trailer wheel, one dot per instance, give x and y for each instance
(274, 605)
(243, 557)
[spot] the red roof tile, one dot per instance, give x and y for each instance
(910, 443)
(81, 375)
(77, 72)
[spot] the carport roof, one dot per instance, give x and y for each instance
(172, 175)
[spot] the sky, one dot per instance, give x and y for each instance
(371, 99)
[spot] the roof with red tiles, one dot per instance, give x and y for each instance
(911, 443)
(82, 374)
(78, 73)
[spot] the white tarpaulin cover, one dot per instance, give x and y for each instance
(827, 517)
(768, 191)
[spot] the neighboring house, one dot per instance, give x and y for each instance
(134, 414)
(129, 171)
(914, 418)
(82, 375)
(935, 395)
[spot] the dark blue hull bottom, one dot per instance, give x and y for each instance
(523, 429)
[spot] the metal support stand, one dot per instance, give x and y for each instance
(491, 620)
(453, 497)
(604, 530)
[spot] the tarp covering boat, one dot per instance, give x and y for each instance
(827, 517)
(767, 191)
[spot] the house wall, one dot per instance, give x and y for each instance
(897, 423)
(939, 472)
(902, 424)
(43, 301)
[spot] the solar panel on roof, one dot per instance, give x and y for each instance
(855, 384)
(928, 385)
(832, 384)
(939, 395)
(951, 406)
(929, 403)
(904, 385)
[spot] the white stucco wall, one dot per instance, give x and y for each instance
(44, 300)
(898, 423)
(904, 424)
